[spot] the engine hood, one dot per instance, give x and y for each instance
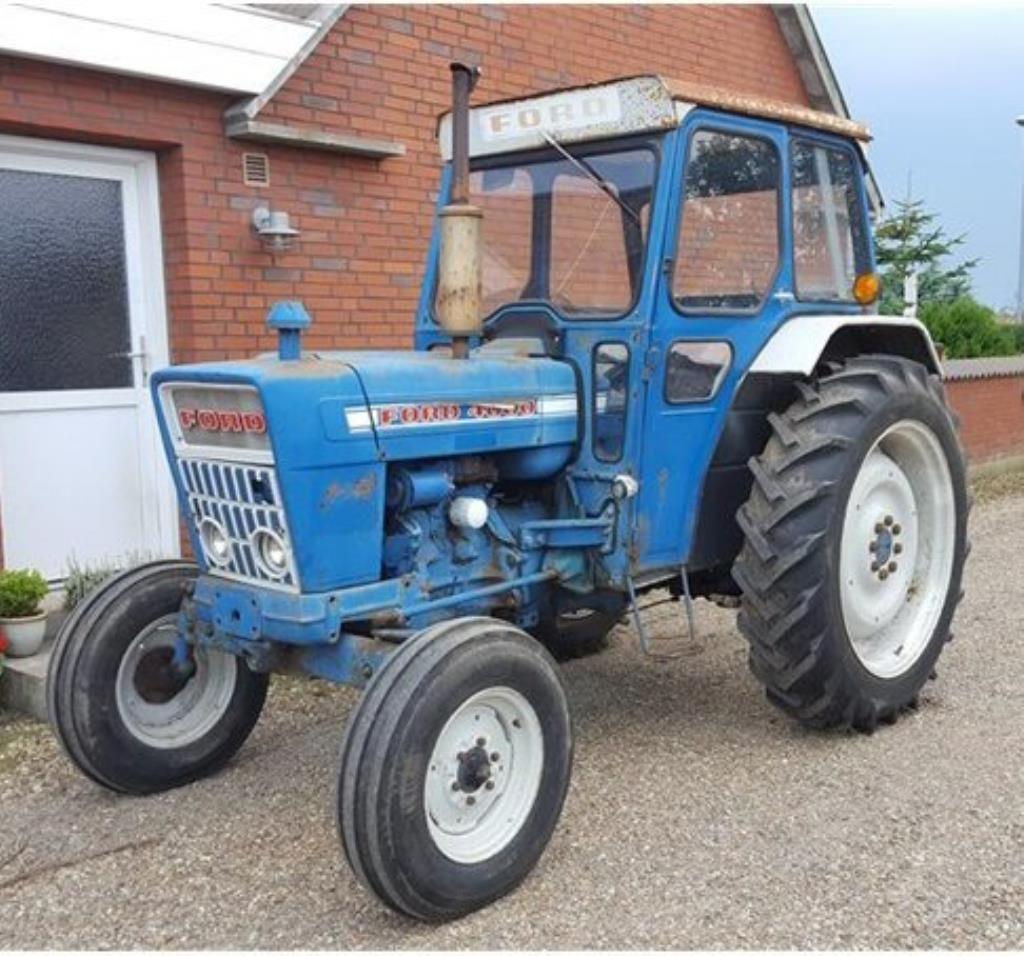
(318, 436)
(418, 403)
(390, 406)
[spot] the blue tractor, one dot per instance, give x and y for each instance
(645, 357)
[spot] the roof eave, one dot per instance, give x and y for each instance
(249, 108)
(816, 73)
(241, 120)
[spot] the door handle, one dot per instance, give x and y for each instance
(142, 354)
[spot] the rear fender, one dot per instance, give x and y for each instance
(801, 343)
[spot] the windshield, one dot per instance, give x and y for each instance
(553, 232)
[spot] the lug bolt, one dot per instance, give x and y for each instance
(489, 785)
(495, 756)
(455, 785)
(873, 546)
(892, 566)
(896, 529)
(874, 565)
(888, 520)
(883, 574)
(515, 722)
(879, 528)
(470, 801)
(480, 741)
(897, 549)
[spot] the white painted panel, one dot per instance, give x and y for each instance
(797, 344)
(217, 47)
(220, 25)
(70, 483)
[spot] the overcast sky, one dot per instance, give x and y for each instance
(940, 88)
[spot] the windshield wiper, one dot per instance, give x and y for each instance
(591, 174)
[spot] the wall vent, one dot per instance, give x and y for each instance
(256, 169)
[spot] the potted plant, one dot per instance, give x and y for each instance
(22, 620)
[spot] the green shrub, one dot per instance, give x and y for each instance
(967, 329)
(21, 592)
(1018, 336)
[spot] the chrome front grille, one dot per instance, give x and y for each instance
(242, 498)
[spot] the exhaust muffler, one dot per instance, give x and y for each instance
(460, 260)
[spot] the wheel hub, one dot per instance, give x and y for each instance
(483, 774)
(474, 769)
(162, 704)
(883, 543)
(884, 547)
(157, 680)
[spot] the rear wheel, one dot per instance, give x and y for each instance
(855, 542)
(454, 768)
(127, 714)
(579, 632)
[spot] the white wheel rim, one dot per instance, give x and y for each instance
(897, 549)
(484, 775)
(188, 715)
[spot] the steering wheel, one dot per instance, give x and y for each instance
(533, 324)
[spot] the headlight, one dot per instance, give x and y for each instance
(216, 543)
(270, 552)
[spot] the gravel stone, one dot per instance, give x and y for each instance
(699, 817)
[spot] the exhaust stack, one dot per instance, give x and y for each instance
(459, 261)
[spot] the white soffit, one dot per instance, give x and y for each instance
(235, 48)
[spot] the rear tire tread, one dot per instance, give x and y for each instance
(784, 615)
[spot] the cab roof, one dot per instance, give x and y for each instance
(619, 106)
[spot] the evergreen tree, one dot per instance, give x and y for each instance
(913, 239)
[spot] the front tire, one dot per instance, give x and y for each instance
(454, 768)
(855, 541)
(125, 717)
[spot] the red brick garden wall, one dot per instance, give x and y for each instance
(382, 73)
(991, 414)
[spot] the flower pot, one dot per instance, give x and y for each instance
(24, 634)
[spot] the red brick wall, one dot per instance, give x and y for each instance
(991, 414)
(381, 73)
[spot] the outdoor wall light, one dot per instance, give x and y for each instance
(273, 229)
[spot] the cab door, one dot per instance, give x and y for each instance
(725, 284)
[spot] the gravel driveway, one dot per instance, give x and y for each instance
(698, 816)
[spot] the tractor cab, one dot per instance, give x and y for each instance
(654, 235)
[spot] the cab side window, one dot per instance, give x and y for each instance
(611, 396)
(729, 230)
(830, 241)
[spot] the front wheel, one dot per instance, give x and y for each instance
(454, 768)
(127, 714)
(855, 544)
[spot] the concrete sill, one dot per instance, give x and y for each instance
(305, 138)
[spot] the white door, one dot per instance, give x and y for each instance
(82, 326)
